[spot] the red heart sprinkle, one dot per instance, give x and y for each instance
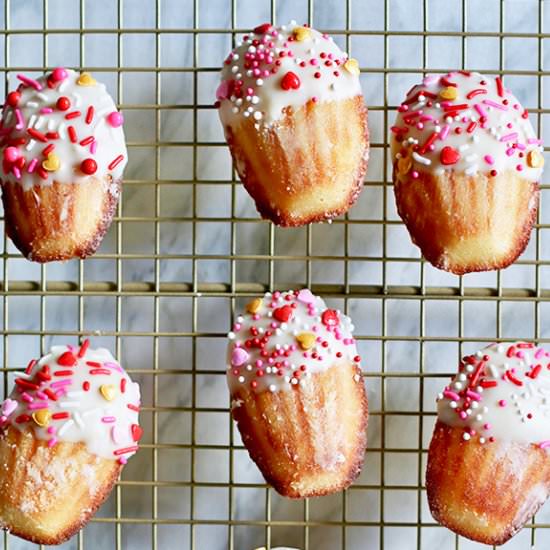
(449, 155)
(262, 29)
(67, 359)
(330, 318)
(282, 314)
(290, 81)
(137, 432)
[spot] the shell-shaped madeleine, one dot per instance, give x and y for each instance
(468, 223)
(308, 440)
(484, 492)
(310, 166)
(60, 221)
(48, 493)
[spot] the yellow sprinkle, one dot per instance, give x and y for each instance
(42, 417)
(352, 66)
(306, 339)
(535, 159)
(448, 93)
(108, 391)
(404, 164)
(51, 164)
(254, 306)
(86, 79)
(301, 33)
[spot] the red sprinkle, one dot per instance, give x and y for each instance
(60, 416)
(86, 385)
(39, 136)
(26, 384)
(282, 314)
(500, 87)
(22, 418)
(94, 364)
(133, 407)
(84, 348)
(48, 149)
(122, 385)
(52, 135)
(137, 432)
(262, 29)
(471, 127)
(30, 366)
(513, 379)
(428, 142)
(42, 173)
(63, 103)
(459, 107)
(44, 374)
(290, 81)
(73, 114)
(126, 450)
(100, 371)
(63, 373)
(87, 141)
(115, 162)
(511, 351)
(329, 317)
(535, 372)
(89, 114)
(446, 82)
(475, 92)
(488, 383)
(50, 394)
(72, 134)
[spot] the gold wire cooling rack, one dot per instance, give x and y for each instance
(155, 255)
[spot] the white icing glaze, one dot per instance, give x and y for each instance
(104, 416)
(261, 62)
(501, 393)
(495, 134)
(312, 339)
(108, 141)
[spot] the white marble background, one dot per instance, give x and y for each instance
(196, 446)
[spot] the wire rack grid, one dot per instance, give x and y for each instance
(186, 250)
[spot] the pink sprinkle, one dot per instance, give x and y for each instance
(415, 174)
(520, 146)
(20, 123)
(544, 444)
(539, 353)
(502, 403)
(60, 383)
(32, 165)
(108, 419)
(114, 435)
(444, 132)
(489, 159)
(480, 110)
(487, 426)
(122, 460)
(492, 103)
(52, 442)
(273, 324)
(46, 110)
(519, 167)
(509, 137)
(26, 397)
(37, 405)
(463, 415)
(473, 395)
(510, 151)
(451, 395)
(520, 354)
(534, 140)
(16, 172)
(30, 82)
(42, 395)
(51, 429)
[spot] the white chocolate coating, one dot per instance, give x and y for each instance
(32, 112)
(475, 118)
(508, 399)
(99, 399)
(261, 61)
(266, 352)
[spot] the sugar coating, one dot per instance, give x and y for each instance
(501, 393)
(466, 122)
(77, 396)
(274, 68)
(284, 338)
(73, 119)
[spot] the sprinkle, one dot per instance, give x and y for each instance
(476, 92)
(108, 419)
(451, 395)
(122, 385)
(30, 82)
(494, 104)
(73, 114)
(480, 110)
(500, 87)
(26, 384)
(26, 397)
(489, 159)
(50, 394)
(133, 407)
(83, 348)
(69, 404)
(86, 385)
(65, 427)
(509, 137)
(100, 371)
(502, 403)
(60, 383)
(444, 132)
(115, 162)
(52, 442)
(420, 159)
(72, 134)
(44, 110)
(544, 444)
(126, 450)
(22, 418)
(39, 136)
(78, 419)
(89, 114)
(37, 405)
(30, 366)
(63, 373)
(60, 416)
(488, 383)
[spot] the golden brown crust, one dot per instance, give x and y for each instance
(484, 492)
(308, 440)
(60, 221)
(49, 494)
(468, 223)
(307, 168)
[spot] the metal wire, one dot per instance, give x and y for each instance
(382, 293)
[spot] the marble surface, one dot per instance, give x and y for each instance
(213, 200)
